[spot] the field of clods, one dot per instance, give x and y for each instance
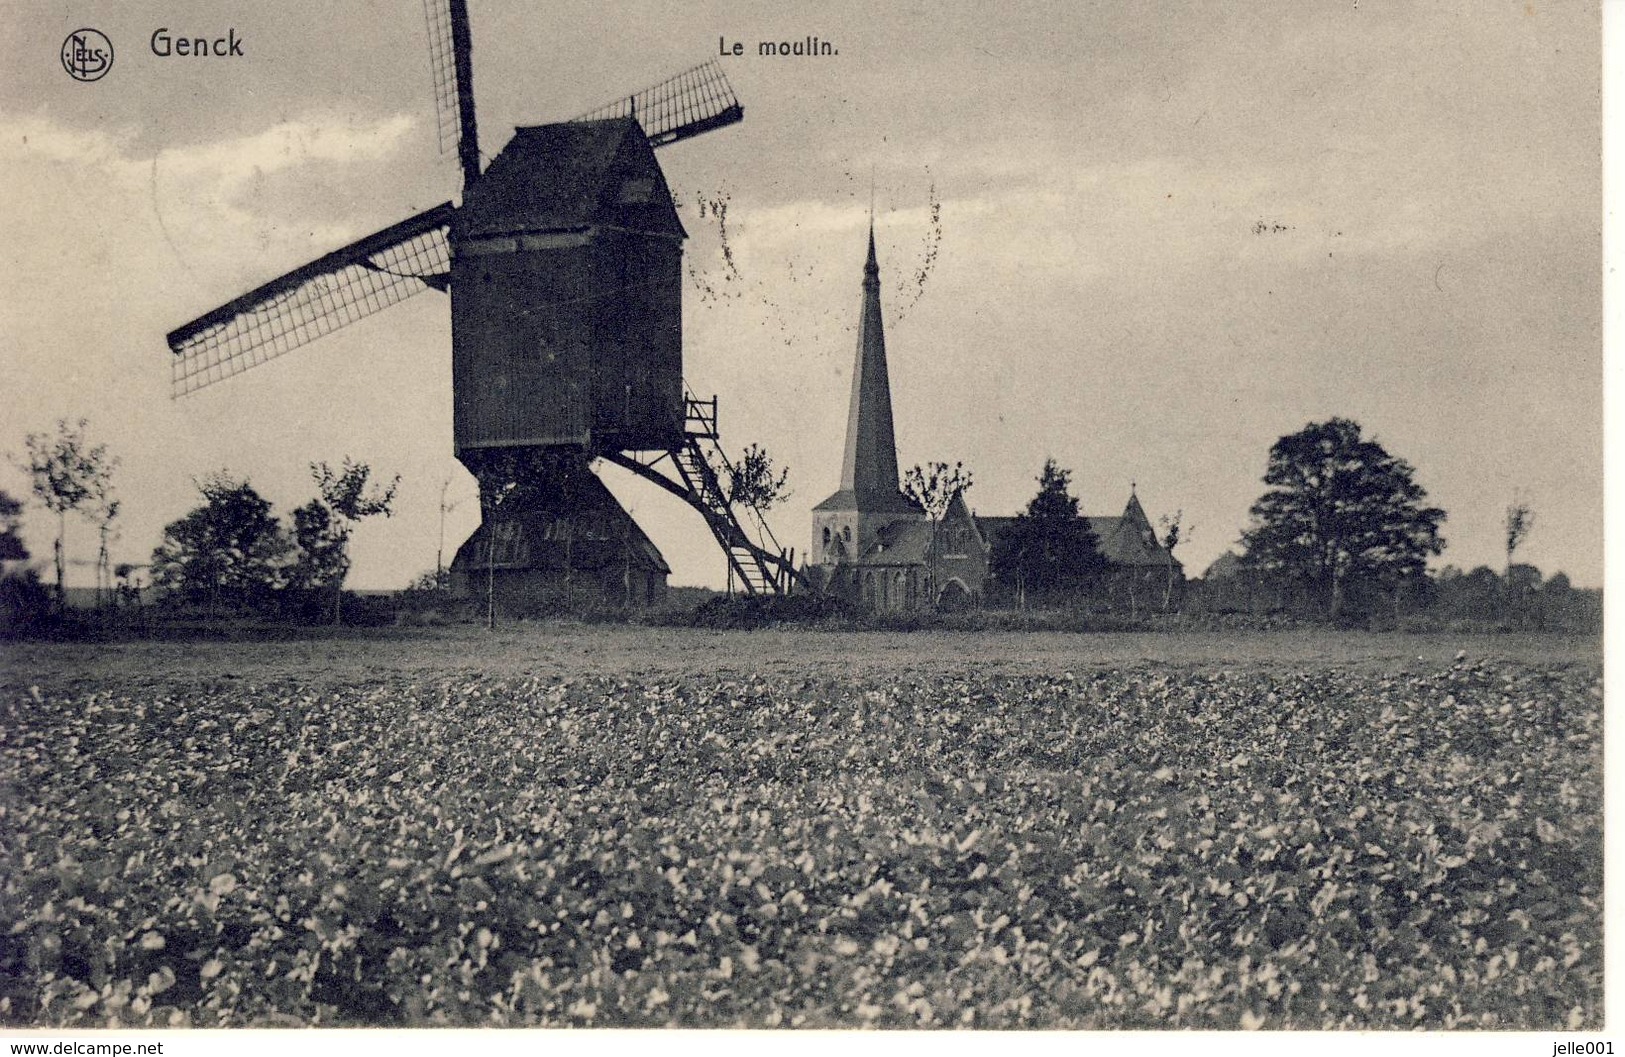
(645, 827)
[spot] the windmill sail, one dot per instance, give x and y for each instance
(349, 284)
(462, 50)
(695, 101)
(452, 63)
(443, 64)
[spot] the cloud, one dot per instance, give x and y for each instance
(1098, 293)
(232, 162)
(210, 200)
(290, 144)
(110, 248)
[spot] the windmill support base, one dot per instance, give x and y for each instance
(552, 539)
(756, 563)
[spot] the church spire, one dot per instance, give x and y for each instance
(869, 470)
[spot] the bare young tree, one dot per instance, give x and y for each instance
(1519, 522)
(934, 486)
(755, 480)
(104, 510)
(446, 507)
(1174, 532)
(68, 473)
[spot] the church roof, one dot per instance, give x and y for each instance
(1126, 539)
(1124, 542)
(899, 543)
(894, 502)
(992, 528)
(959, 513)
(869, 467)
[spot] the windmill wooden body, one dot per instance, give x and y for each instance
(566, 303)
(563, 262)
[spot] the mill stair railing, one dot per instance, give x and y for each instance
(757, 564)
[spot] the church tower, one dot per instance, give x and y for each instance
(848, 523)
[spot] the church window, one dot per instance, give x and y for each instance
(846, 533)
(826, 535)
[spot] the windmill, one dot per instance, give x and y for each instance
(563, 262)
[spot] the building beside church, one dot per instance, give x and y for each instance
(1138, 566)
(876, 547)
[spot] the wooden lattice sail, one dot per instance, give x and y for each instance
(345, 286)
(695, 101)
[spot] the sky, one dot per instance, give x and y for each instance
(1144, 240)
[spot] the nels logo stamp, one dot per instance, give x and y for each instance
(87, 55)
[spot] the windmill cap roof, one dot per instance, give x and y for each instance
(569, 175)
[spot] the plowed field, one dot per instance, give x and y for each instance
(567, 826)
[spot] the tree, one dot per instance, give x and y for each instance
(1048, 550)
(934, 487)
(127, 589)
(231, 545)
(103, 510)
(24, 601)
(1174, 533)
(318, 554)
(1473, 595)
(1341, 512)
(68, 474)
(440, 578)
(1518, 523)
(12, 548)
(755, 481)
(1522, 579)
(322, 527)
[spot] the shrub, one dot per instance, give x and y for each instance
(25, 603)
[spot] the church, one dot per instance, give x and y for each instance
(874, 546)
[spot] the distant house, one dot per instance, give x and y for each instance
(1226, 566)
(1230, 585)
(875, 546)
